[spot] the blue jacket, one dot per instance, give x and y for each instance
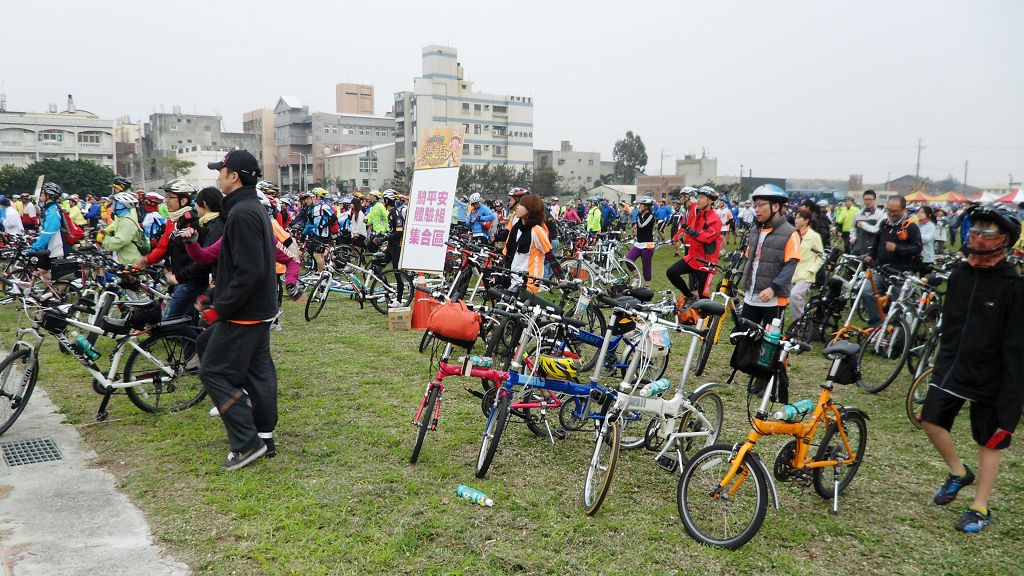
(94, 211)
(476, 218)
(965, 228)
(461, 209)
(664, 213)
(51, 226)
(607, 213)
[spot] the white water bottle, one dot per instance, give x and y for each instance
(656, 388)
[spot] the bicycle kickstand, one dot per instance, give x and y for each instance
(835, 490)
(159, 387)
(102, 413)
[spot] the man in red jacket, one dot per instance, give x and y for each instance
(702, 232)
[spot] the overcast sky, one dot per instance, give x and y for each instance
(789, 89)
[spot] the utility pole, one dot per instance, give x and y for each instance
(661, 167)
(963, 186)
(917, 171)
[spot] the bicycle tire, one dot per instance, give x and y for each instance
(393, 282)
(318, 297)
(915, 397)
(710, 404)
(828, 450)
(700, 510)
(426, 340)
(534, 418)
(900, 333)
(598, 480)
(496, 423)
(923, 333)
(15, 391)
(424, 424)
(176, 347)
(633, 278)
(574, 413)
(706, 345)
(575, 269)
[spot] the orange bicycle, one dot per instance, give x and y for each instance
(724, 489)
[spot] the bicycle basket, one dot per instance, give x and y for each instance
(53, 322)
(624, 326)
(146, 315)
(659, 342)
(745, 354)
(61, 268)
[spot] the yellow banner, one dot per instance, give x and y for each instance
(440, 148)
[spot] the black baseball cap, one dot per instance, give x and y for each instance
(240, 161)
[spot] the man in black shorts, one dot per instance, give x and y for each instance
(980, 359)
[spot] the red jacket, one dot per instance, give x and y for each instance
(708, 240)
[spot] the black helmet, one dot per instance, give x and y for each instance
(1001, 215)
(122, 183)
(52, 190)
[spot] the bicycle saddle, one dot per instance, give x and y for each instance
(708, 307)
(844, 347)
(641, 294)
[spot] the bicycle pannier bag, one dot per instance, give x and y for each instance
(454, 322)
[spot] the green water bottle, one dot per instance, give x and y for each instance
(770, 344)
(795, 411)
(473, 495)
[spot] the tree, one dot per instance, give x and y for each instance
(545, 182)
(175, 166)
(605, 179)
(401, 182)
(75, 176)
(630, 157)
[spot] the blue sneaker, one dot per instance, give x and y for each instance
(974, 521)
(948, 491)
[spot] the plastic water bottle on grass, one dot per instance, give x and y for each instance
(473, 495)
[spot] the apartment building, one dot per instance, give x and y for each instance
(498, 127)
(26, 137)
(167, 135)
(354, 99)
(261, 123)
(576, 170)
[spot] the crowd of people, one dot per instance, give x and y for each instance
(223, 249)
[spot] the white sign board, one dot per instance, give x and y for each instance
(429, 217)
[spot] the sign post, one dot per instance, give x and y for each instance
(432, 200)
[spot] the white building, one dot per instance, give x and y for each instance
(26, 137)
(362, 169)
(199, 175)
(499, 127)
(576, 170)
(616, 193)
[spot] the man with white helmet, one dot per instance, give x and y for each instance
(322, 218)
(702, 232)
(50, 241)
(772, 257)
(124, 236)
(480, 219)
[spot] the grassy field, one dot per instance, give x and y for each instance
(341, 497)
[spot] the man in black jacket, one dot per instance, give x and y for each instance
(898, 246)
(980, 359)
(236, 355)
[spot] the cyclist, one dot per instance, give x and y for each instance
(811, 249)
(663, 213)
(703, 233)
(864, 233)
(318, 226)
(898, 245)
(124, 235)
(396, 227)
(377, 217)
(153, 223)
(772, 257)
(643, 247)
(686, 195)
(480, 219)
(594, 216)
(11, 219)
(980, 359)
(528, 246)
(357, 222)
(50, 244)
(188, 279)
(75, 210)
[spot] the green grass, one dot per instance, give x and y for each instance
(341, 497)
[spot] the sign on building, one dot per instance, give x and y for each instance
(432, 200)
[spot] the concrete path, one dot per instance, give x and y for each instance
(65, 518)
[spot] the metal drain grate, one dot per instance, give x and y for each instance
(32, 451)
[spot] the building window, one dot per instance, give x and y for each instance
(476, 129)
(188, 120)
(11, 138)
(366, 183)
(174, 127)
(499, 110)
(590, 162)
(476, 108)
(465, 149)
(89, 138)
(51, 137)
(589, 178)
(334, 129)
(561, 161)
(364, 164)
(476, 149)
(327, 129)
(499, 150)
(466, 126)
(465, 106)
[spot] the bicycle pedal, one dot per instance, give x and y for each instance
(667, 463)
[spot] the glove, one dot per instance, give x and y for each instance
(209, 316)
(1000, 439)
(690, 231)
(295, 291)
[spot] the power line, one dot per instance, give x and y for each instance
(820, 151)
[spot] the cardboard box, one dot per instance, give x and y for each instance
(400, 319)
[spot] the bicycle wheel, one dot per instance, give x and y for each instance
(601, 470)
(574, 412)
(723, 517)
(174, 348)
(17, 381)
(626, 274)
(633, 428)
(390, 289)
(426, 340)
(708, 404)
(318, 297)
(833, 448)
(889, 343)
(536, 419)
(424, 424)
(926, 326)
(656, 369)
(706, 346)
(916, 395)
(496, 423)
(579, 270)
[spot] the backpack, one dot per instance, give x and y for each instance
(70, 232)
(141, 242)
(328, 220)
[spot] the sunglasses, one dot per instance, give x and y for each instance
(984, 232)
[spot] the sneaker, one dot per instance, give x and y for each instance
(275, 326)
(974, 521)
(948, 491)
(396, 303)
(236, 460)
(214, 412)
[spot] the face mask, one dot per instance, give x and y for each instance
(120, 209)
(985, 251)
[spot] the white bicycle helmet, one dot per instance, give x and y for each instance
(126, 198)
(179, 187)
(646, 200)
(390, 194)
(771, 193)
(263, 199)
(474, 198)
(267, 187)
